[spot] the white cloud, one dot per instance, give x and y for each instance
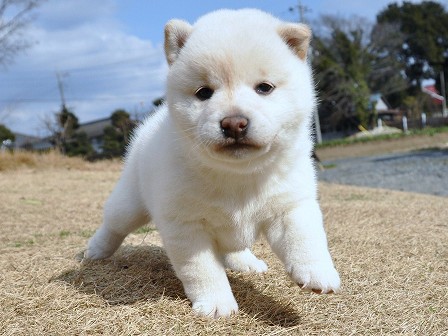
(64, 15)
(102, 67)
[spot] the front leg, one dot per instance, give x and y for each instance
(201, 270)
(298, 238)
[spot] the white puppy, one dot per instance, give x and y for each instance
(228, 158)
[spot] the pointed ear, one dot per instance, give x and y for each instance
(297, 36)
(176, 34)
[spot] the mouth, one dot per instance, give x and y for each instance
(237, 148)
(240, 156)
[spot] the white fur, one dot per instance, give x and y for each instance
(210, 204)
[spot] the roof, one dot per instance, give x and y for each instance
(31, 141)
(379, 102)
(434, 93)
(24, 139)
(95, 128)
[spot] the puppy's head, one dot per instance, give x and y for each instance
(239, 88)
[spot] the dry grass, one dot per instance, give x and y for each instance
(390, 247)
(38, 161)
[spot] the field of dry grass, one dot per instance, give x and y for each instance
(390, 248)
(20, 160)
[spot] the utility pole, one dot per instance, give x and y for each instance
(302, 10)
(62, 127)
(59, 77)
(442, 88)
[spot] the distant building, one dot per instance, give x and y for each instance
(95, 132)
(433, 93)
(382, 108)
(24, 141)
(93, 129)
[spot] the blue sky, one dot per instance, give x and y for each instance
(109, 54)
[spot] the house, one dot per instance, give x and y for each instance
(431, 90)
(95, 132)
(383, 110)
(24, 141)
(93, 129)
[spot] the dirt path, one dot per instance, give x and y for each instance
(383, 146)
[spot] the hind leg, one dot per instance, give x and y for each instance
(244, 261)
(123, 213)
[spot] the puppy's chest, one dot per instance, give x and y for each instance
(232, 216)
(225, 212)
(233, 227)
(236, 225)
(232, 224)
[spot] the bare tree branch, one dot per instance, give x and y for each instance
(15, 15)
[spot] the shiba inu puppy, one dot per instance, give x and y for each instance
(227, 159)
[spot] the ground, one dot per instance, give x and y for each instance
(390, 248)
(424, 171)
(397, 145)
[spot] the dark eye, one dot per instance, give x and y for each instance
(204, 93)
(264, 88)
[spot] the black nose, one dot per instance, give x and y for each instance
(234, 127)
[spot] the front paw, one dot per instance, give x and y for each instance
(216, 306)
(317, 277)
(97, 249)
(103, 244)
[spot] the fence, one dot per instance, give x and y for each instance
(418, 123)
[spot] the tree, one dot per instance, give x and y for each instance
(387, 75)
(67, 120)
(62, 127)
(424, 46)
(341, 59)
(78, 145)
(113, 142)
(15, 15)
(67, 123)
(121, 120)
(6, 134)
(117, 136)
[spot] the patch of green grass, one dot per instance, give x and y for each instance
(31, 201)
(64, 233)
(433, 309)
(144, 229)
(349, 141)
(83, 233)
(86, 233)
(431, 131)
(28, 242)
(355, 197)
(329, 166)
